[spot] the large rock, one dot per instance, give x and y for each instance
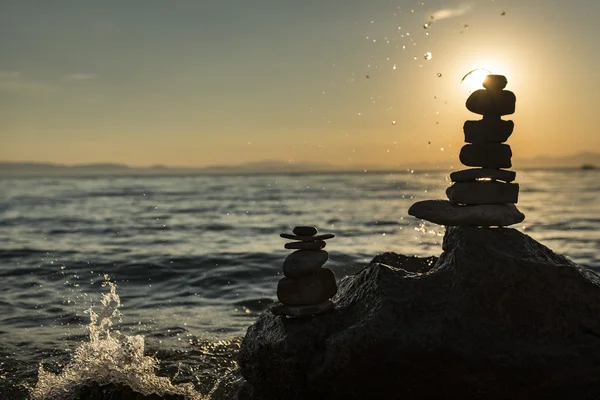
(304, 262)
(307, 290)
(495, 82)
(492, 102)
(467, 175)
(488, 155)
(486, 130)
(483, 192)
(442, 212)
(498, 316)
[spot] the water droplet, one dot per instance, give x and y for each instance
(428, 56)
(441, 148)
(426, 26)
(439, 75)
(503, 13)
(394, 67)
(393, 122)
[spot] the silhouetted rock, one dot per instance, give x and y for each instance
(307, 238)
(472, 174)
(301, 311)
(410, 264)
(304, 262)
(483, 192)
(499, 316)
(495, 82)
(489, 155)
(488, 130)
(488, 102)
(307, 290)
(305, 231)
(318, 245)
(443, 212)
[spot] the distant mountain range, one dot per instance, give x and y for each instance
(35, 169)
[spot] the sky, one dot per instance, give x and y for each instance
(198, 82)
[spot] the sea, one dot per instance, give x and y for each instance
(152, 281)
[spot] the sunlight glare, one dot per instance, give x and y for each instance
(473, 80)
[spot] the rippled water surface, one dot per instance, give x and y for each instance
(197, 258)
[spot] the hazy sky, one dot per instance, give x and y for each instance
(199, 82)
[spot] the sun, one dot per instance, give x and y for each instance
(473, 80)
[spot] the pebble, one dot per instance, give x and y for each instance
(307, 238)
(301, 311)
(307, 290)
(488, 130)
(472, 174)
(443, 212)
(488, 155)
(318, 245)
(486, 102)
(304, 262)
(483, 192)
(495, 82)
(305, 231)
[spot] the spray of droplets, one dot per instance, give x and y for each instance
(108, 357)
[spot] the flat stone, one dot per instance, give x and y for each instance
(483, 192)
(472, 174)
(318, 245)
(488, 155)
(307, 290)
(301, 311)
(307, 238)
(495, 82)
(489, 102)
(442, 212)
(487, 130)
(304, 262)
(305, 231)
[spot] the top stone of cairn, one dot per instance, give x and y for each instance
(305, 231)
(495, 82)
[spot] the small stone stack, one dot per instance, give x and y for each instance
(482, 196)
(307, 287)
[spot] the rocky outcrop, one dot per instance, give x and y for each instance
(498, 316)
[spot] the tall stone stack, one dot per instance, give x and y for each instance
(307, 288)
(485, 195)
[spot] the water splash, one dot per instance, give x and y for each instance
(109, 357)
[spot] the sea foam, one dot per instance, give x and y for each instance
(108, 358)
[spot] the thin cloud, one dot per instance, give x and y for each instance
(4, 75)
(13, 81)
(449, 12)
(80, 76)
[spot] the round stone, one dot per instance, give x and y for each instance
(304, 262)
(482, 192)
(487, 155)
(307, 238)
(318, 245)
(488, 102)
(301, 311)
(443, 212)
(473, 174)
(487, 130)
(495, 82)
(307, 290)
(305, 231)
